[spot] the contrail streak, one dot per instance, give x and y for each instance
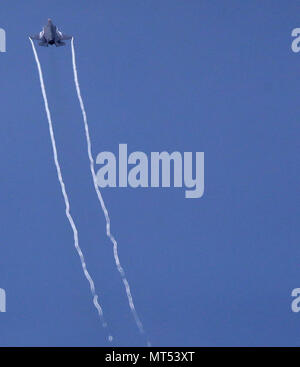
(107, 218)
(63, 190)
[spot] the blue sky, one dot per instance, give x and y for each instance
(157, 75)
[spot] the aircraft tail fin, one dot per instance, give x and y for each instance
(59, 44)
(45, 44)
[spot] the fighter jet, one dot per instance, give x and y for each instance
(50, 35)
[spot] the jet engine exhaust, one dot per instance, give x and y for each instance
(65, 196)
(100, 198)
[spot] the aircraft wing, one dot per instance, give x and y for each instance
(39, 36)
(35, 36)
(63, 37)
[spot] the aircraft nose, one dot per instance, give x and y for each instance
(49, 20)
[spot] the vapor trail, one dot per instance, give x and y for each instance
(63, 190)
(107, 218)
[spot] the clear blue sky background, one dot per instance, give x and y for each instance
(197, 75)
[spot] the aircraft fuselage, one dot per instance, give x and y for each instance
(50, 34)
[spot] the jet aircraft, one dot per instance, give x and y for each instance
(50, 35)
